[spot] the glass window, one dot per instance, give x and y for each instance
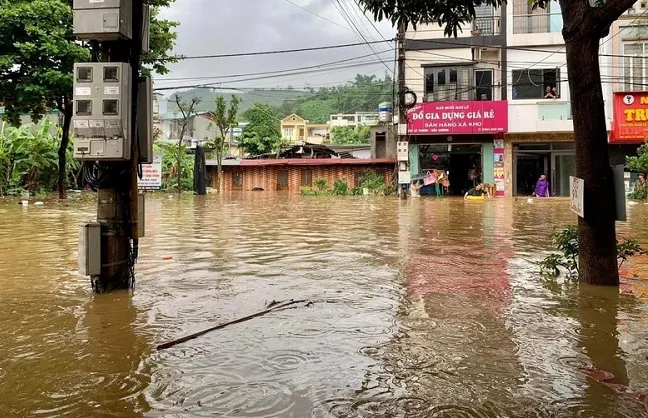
(449, 83)
(282, 179)
(634, 66)
(111, 74)
(237, 180)
(306, 177)
(536, 84)
(84, 74)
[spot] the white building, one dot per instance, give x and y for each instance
(496, 98)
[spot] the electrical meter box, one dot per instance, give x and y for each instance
(102, 111)
(103, 20)
(145, 119)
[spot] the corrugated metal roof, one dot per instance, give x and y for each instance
(224, 163)
(316, 161)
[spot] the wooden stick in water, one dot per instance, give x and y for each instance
(276, 307)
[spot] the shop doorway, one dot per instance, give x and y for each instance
(529, 167)
(557, 160)
(457, 161)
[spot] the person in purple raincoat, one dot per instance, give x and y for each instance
(542, 187)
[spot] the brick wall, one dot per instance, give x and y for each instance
(266, 177)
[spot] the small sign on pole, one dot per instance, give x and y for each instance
(576, 193)
(151, 174)
(404, 177)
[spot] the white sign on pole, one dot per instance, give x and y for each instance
(151, 174)
(576, 193)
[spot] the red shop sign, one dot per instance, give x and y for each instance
(464, 117)
(630, 119)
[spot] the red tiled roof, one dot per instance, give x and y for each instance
(318, 161)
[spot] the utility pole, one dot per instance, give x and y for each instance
(403, 163)
(113, 136)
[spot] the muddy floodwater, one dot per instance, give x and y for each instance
(427, 308)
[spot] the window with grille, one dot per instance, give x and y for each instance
(237, 180)
(288, 132)
(536, 83)
(306, 177)
(282, 179)
(634, 66)
(448, 83)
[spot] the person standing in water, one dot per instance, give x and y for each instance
(542, 187)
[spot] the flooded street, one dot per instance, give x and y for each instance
(427, 308)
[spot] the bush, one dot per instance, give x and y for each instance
(566, 242)
(638, 194)
(321, 185)
(340, 187)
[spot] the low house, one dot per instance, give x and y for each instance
(296, 167)
(295, 130)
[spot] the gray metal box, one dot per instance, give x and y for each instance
(102, 111)
(103, 20)
(141, 216)
(146, 28)
(90, 249)
(145, 119)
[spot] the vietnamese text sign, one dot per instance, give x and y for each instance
(151, 174)
(498, 167)
(466, 117)
(576, 192)
(630, 119)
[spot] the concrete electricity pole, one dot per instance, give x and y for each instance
(113, 127)
(402, 144)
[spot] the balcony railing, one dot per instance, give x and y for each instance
(554, 111)
(485, 26)
(477, 93)
(537, 23)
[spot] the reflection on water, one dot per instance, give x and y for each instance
(428, 308)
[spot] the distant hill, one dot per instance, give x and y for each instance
(208, 96)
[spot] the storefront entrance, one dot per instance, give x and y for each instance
(458, 161)
(556, 160)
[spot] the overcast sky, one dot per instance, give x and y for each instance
(209, 27)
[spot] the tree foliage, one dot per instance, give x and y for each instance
(350, 135)
(224, 120)
(363, 94)
(262, 134)
(187, 110)
(29, 159)
(37, 54)
(639, 162)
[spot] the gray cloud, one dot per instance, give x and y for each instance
(209, 27)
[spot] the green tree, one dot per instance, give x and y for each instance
(37, 54)
(362, 94)
(639, 163)
(224, 120)
(585, 24)
(262, 134)
(188, 111)
(350, 135)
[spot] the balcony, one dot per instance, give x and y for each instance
(485, 26)
(540, 116)
(537, 22)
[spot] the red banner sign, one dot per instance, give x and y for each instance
(630, 119)
(465, 117)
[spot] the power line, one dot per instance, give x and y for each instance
(274, 71)
(320, 16)
(216, 83)
(281, 51)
